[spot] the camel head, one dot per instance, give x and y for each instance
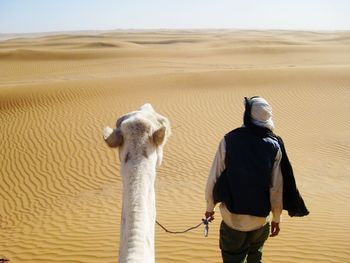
(139, 134)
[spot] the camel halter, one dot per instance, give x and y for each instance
(204, 222)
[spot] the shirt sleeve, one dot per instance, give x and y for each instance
(276, 189)
(217, 167)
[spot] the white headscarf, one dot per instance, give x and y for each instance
(261, 113)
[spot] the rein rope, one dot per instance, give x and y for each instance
(204, 222)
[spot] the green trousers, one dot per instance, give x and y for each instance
(242, 247)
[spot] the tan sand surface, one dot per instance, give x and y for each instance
(60, 187)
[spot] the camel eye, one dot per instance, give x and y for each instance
(123, 118)
(120, 120)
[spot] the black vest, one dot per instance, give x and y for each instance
(247, 178)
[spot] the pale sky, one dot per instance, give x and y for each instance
(25, 16)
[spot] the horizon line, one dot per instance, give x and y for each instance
(176, 29)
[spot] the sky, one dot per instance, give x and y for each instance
(27, 16)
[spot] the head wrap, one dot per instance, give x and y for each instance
(258, 112)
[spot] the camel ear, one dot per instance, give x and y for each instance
(159, 136)
(113, 137)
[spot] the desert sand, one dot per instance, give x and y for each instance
(60, 188)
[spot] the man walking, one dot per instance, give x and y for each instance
(246, 178)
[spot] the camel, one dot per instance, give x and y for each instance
(140, 136)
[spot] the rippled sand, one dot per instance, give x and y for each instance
(60, 187)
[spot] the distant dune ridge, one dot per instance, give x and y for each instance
(61, 188)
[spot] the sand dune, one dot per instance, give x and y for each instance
(60, 185)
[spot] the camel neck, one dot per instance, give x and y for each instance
(138, 213)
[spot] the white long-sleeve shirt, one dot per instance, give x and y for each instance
(244, 222)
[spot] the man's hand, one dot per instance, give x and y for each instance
(209, 214)
(275, 229)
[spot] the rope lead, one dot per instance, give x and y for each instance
(204, 222)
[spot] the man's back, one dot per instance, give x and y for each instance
(249, 162)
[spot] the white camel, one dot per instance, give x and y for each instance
(140, 136)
